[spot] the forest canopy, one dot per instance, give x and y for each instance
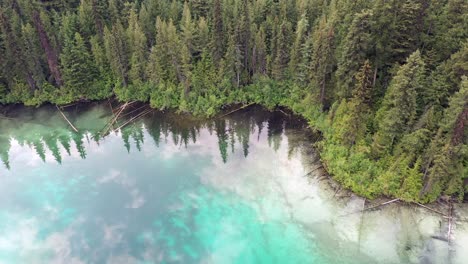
(383, 80)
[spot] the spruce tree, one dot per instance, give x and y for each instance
(137, 48)
(351, 118)
(99, 56)
(188, 28)
(147, 23)
(447, 155)
(360, 103)
(296, 49)
(244, 37)
(259, 53)
(356, 49)
(218, 31)
(79, 70)
(202, 37)
(281, 59)
(115, 42)
(233, 62)
(398, 111)
(14, 53)
(49, 50)
(158, 68)
(322, 57)
(86, 20)
(33, 57)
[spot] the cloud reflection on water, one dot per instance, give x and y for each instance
(198, 202)
(114, 235)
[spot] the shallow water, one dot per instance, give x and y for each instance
(167, 189)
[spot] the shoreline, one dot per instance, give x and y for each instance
(231, 108)
(281, 178)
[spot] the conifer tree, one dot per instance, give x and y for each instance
(296, 50)
(114, 8)
(137, 48)
(202, 37)
(147, 23)
(115, 42)
(233, 61)
(200, 8)
(79, 70)
(398, 111)
(322, 57)
(218, 31)
(446, 157)
(158, 68)
(259, 53)
(49, 50)
(281, 59)
(174, 13)
(188, 28)
(197, 55)
(360, 103)
(32, 54)
(244, 36)
(86, 20)
(99, 56)
(356, 49)
(15, 57)
(448, 29)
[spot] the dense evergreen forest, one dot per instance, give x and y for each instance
(383, 80)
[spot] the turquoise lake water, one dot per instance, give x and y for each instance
(167, 189)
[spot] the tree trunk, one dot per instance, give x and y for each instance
(20, 64)
(51, 54)
(322, 93)
(375, 76)
(97, 20)
(459, 129)
(31, 82)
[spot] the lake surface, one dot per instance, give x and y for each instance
(245, 188)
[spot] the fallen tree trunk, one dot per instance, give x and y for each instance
(240, 108)
(66, 119)
(382, 204)
(449, 231)
(134, 119)
(114, 119)
(430, 209)
(372, 207)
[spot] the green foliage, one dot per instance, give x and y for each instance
(3, 93)
(357, 47)
(323, 61)
(398, 111)
(447, 153)
(78, 68)
(19, 92)
(116, 47)
(393, 118)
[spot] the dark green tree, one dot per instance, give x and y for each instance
(218, 31)
(259, 53)
(323, 61)
(281, 58)
(137, 44)
(79, 70)
(357, 47)
(448, 153)
(116, 45)
(296, 50)
(398, 111)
